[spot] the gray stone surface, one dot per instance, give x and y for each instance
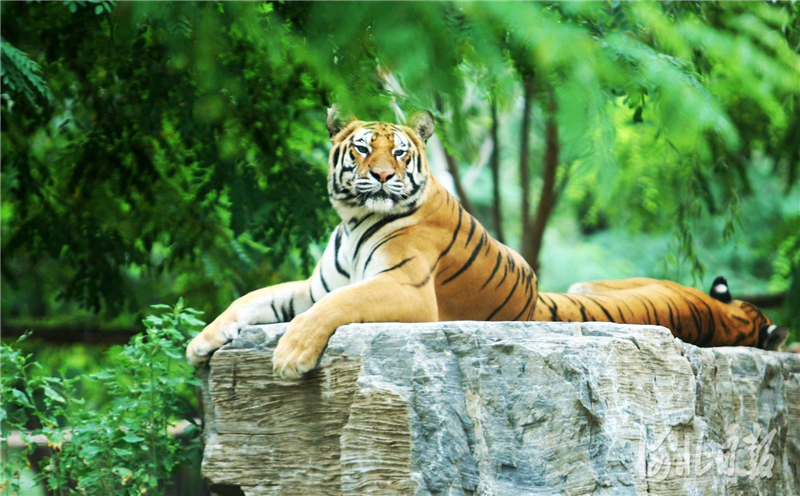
(476, 408)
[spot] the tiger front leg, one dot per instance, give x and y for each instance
(270, 305)
(388, 297)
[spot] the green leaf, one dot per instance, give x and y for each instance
(122, 452)
(123, 473)
(193, 321)
(172, 353)
(89, 451)
(153, 320)
(22, 398)
(132, 438)
(52, 394)
(104, 375)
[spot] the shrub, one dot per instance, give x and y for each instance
(126, 447)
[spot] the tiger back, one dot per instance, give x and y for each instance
(691, 315)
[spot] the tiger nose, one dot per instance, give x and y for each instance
(382, 175)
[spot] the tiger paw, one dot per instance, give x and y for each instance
(207, 342)
(197, 351)
(300, 349)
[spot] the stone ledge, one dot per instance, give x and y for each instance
(504, 409)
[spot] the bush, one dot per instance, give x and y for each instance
(126, 447)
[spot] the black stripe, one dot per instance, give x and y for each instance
(582, 308)
(377, 227)
(622, 300)
(530, 298)
(610, 318)
(511, 259)
(528, 278)
(646, 309)
(671, 315)
(361, 221)
(725, 328)
(414, 186)
(695, 316)
(311, 292)
(529, 317)
(466, 265)
(655, 312)
(510, 294)
(378, 245)
(277, 317)
(336, 155)
(678, 327)
(446, 250)
(413, 182)
(455, 233)
(711, 324)
(471, 230)
(291, 308)
(505, 273)
(672, 325)
(337, 243)
(702, 337)
(553, 309)
(396, 266)
(494, 271)
(322, 278)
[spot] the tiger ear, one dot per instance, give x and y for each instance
(422, 123)
(335, 122)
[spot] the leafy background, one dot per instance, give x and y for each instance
(154, 150)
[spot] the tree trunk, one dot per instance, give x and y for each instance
(497, 214)
(524, 152)
(452, 168)
(532, 238)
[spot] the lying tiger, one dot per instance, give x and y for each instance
(713, 319)
(405, 251)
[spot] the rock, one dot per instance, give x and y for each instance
(476, 408)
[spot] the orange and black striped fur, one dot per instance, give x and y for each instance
(405, 251)
(691, 315)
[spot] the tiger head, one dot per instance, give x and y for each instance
(378, 167)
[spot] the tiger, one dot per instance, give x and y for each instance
(713, 319)
(405, 251)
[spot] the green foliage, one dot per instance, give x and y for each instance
(169, 150)
(183, 148)
(21, 76)
(123, 448)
